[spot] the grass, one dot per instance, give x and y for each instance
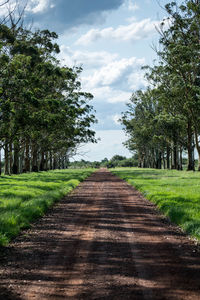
(26, 197)
(176, 194)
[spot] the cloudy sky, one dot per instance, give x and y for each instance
(111, 39)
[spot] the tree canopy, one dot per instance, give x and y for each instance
(164, 120)
(44, 114)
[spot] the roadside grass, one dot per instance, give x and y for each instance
(176, 194)
(25, 197)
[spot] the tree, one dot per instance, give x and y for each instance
(154, 133)
(44, 114)
(165, 119)
(180, 53)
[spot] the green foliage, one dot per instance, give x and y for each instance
(165, 118)
(115, 161)
(25, 197)
(42, 106)
(176, 194)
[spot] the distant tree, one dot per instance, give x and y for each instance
(118, 157)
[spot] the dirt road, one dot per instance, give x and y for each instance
(104, 241)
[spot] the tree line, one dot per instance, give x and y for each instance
(163, 121)
(44, 114)
(115, 161)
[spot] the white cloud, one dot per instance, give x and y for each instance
(119, 96)
(137, 80)
(38, 6)
(86, 58)
(116, 118)
(33, 6)
(108, 94)
(109, 78)
(131, 32)
(105, 72)
(5, 7)
(131, 19)
(132, 6)
(115, 72)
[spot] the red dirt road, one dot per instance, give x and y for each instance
(104, 241)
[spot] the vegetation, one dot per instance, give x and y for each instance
(115, 161)
(177, 194)
(44, 114)
(26, 197)
(164, 120)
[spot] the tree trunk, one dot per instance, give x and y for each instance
(0, 163)
(15, 167)
(27, 157)
(190, 166)
(164, 162)
(139, 160)
(42, 161)
(46, 161)
(178, 158)
(154, 159)
(172, 157)
(63, 162)
(197, 147)
(193, 154)
(6, 155)
(175, 156)
(34, 158)
(181, 159)
(10, 155)
(66, 162)
(59, 163)
(22, 160)
(160, 160)
(55, 162)
(50, 161)
(168, 157)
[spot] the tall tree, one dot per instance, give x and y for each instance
(180, 53)
(43, 111)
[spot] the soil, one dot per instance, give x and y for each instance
(103, 241)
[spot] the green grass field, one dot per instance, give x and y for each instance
(25, 197)
(176, 193)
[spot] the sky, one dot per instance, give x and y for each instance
(111, 40)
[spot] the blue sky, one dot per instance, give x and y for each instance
(112, 40)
